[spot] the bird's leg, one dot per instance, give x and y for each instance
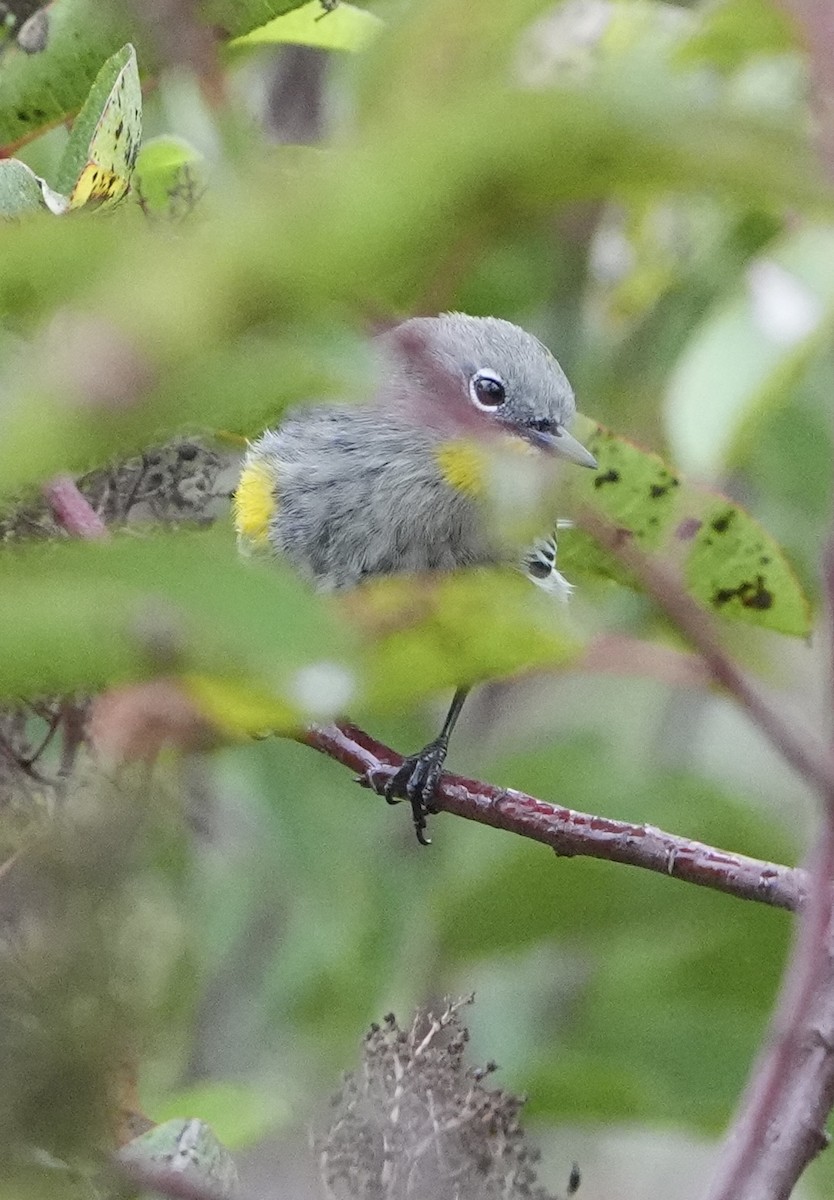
(417, 777)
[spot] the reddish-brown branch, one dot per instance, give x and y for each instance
(780, 1127)
(72, 510)
(815, 21)
(571, 833)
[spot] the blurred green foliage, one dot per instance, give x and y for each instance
(636, 183)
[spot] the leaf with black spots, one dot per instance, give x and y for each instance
(729, 562)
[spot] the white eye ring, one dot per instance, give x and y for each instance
(487, 390)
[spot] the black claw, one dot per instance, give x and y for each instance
(416, 781)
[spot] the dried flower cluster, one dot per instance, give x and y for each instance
(415, 1123)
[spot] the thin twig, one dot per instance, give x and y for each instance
(808, 755)
(571, 833)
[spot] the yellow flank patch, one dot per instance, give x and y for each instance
(255, 503)
(463, 465)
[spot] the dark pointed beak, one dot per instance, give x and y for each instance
(563, 444)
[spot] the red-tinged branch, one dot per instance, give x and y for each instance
(72, 510)
(780, 1126)
(815, 21)
(573, 834)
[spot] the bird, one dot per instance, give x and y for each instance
(346, 493)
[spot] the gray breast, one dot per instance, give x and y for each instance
(360, 495)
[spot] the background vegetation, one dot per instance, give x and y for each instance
(640, 184)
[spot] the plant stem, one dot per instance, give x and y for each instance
(569, 833)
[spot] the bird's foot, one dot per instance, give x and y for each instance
(416, 780)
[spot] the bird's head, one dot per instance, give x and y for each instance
(485, 373)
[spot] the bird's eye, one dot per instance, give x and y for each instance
(487, 389)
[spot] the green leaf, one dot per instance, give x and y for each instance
(23, 192)
(729, 562)
(345, 28)
(84, 615)
(233, 18)
(267, 375)
(40, 90)
(101, 153)
(751, 349)
(189, 1149)
(440, 631)
(239, 1115)
(169, 177)
(732, 31)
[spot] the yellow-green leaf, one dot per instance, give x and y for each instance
(101, 153)
(728, 560)
(344, 28)
(169, 178)
(83, 615)
(439, 631)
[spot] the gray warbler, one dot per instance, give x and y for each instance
(348, 492)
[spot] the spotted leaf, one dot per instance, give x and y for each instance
(728, 560)
(101, 153)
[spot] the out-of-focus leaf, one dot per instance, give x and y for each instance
(101, 152)
(440, 631)
(233, 18)
(23, 192)
(345, 28)
(729, 562)
(84, 615)
(241, 387)
(239, 1115)
(190, 1149)
(729, 32)
(39, 90)
(169, 177)
(355, 225)
(241, 709)
(751, 349)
